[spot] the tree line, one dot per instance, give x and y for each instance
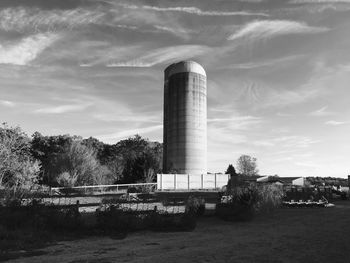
(64, 160)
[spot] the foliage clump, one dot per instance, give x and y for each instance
(73, 161)
(18, 169)
(270, 198)
(243, 200)
(195, 205)
(247, 165)
(239, 204)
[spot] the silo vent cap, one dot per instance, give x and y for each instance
(184, 66)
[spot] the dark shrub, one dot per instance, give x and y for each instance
(167, 222)
(234, 211)
(270, 197)
(195, 206)
(40, 216)
(110, 218)
(135, 189)
(240, 205)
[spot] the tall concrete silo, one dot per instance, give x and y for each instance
(185, 119)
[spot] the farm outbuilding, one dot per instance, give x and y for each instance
(299, 181)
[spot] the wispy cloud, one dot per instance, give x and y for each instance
(23, 19)
(288, 141)
(266, 63)
(194, 11)
(321, 112)
(317, 1)
(280, 98)
(114, 137)
(26, 50)
(163, 55)
(237, 122)
(62, 109)
(181, 32)
(336, 123)
(7, 103)
(265, 29)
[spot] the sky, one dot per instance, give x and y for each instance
(277, 73)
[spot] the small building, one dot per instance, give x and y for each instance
(298, 181)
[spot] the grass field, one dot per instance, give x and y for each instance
(288, 235)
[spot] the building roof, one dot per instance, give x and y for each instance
(288, 180)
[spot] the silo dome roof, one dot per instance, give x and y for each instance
(184, 66)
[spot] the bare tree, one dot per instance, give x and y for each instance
(247, 165)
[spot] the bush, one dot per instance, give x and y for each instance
(113, 219)
(18, 170)
(239, 205)
(243, 202)
(39, 216)
(270, 197)
(195, 205)
(110, 218)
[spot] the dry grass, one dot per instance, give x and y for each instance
(288, 235)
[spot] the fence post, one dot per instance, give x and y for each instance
(201, 181)
(161, 182)
(174, 181)
(215, 181)
(188, 181)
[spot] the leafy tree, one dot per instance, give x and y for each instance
(67, 180)
(81, 164)
(231, 170)
(96, 145)
(48, 149)
(18, 169)
(142, 159)
(112, 158)
(247, 165)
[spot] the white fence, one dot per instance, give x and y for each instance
(102, 188)
(191, 181)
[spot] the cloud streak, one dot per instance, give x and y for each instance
(22, 19)
(318, 1)
(265, 29)
(114, 137)
(7, 103)
(336, 123)
(62, 109)
(321, 112)
(163, 55)
(193, 11)
(289, 141)
(26, 50)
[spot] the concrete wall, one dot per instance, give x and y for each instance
(191, 181)
(185, 119)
